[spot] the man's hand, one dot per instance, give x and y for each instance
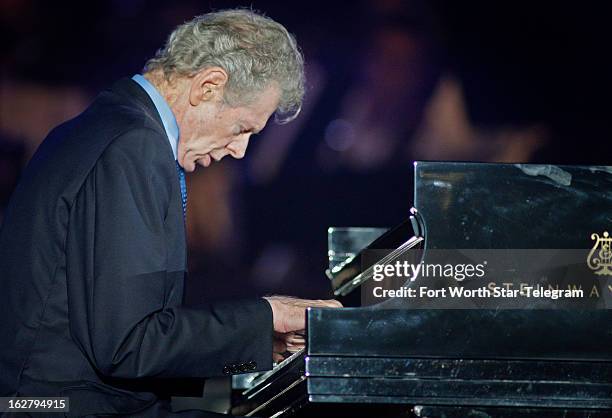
(290, 313)
(289, 316)
(286, 344)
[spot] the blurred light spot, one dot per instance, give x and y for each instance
(273, 265)
(339, 135)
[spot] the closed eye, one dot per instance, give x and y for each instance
(242, 131)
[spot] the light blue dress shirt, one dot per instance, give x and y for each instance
(167, 117)
(171, 127)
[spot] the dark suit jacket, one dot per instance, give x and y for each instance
(92, 264)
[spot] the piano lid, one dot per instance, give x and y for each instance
(496, 206)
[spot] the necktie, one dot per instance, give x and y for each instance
(181, 175)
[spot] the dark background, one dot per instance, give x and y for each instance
(389, 82)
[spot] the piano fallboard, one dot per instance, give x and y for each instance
(573, 335)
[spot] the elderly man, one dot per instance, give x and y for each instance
(92, 250)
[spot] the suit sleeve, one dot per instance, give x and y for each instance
(116, 265)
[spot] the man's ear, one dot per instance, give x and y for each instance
(207, 85)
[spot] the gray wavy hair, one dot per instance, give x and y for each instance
(253, 49)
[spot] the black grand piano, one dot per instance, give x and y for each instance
(464, 357)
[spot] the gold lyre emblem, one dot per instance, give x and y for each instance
(600, 257)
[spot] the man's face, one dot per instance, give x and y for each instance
(211, 129)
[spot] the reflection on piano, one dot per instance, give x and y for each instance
(389, 360)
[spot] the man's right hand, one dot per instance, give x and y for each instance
(289, 315)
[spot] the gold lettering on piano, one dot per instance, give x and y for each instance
(600, 257)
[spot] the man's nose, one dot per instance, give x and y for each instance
(238, 148)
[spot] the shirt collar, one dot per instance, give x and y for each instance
(167, 117)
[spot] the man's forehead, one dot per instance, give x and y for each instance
(268, 99)
(262, 108)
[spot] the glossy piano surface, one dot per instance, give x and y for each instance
(477, 205)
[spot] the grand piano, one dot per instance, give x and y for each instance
(437, 357)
